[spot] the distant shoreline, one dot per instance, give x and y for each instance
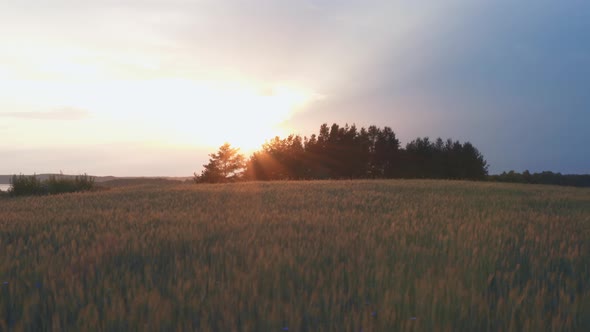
(5, 179)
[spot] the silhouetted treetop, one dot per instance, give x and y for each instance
(224, 166)
(348, 152)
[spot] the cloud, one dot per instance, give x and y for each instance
(65, 113)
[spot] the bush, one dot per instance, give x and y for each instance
(84, 182)
(23, 185)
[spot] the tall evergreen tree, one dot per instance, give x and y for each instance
(224, 166)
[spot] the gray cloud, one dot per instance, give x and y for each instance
(511, 77)
(65, 113)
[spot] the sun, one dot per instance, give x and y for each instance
(243, 115)
(160, 108)
(259, 116)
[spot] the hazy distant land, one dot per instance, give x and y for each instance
(5, 179)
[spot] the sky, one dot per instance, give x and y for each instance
(149, 88)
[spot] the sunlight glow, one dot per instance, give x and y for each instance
(178, 111)
(141, 101)
(244, 116)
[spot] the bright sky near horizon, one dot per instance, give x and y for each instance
(151, 87)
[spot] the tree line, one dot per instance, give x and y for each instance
(546, 177)
(347, 152)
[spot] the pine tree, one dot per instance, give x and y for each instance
(224, 166)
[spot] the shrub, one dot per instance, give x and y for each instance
(84, 182)
(23, 185)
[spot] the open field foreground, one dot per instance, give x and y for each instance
(298, 256)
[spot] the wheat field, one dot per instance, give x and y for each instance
(396, 255)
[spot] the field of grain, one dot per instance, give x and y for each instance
(298, 256)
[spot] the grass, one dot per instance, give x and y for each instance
(302, 256)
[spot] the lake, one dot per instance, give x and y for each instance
(4, 187)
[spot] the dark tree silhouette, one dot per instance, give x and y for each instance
(546, 177)
(279, 159)
(451, 160)
(348, 152)
(224, 166)
(337, 152)
(386, 152)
